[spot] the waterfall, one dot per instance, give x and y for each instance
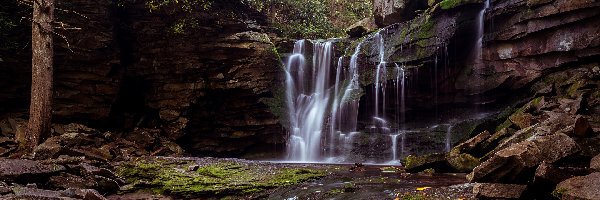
(349, 103)
(334, 123)
(480, 31)
(394, 149)
(448, 138)
(380, 75)
(307, 101)
(323, 102)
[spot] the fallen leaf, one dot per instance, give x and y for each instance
(422, 188)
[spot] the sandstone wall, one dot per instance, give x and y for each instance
(124, 66)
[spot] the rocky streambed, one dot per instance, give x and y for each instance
(213, 178)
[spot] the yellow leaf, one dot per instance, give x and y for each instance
(422, 188)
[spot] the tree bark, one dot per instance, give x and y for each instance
(40, 110)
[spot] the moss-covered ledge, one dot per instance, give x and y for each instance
(195, 178)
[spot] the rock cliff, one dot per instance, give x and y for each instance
(202, 77)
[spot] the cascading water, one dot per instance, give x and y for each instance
(394, 160)
(323, 102)
(307, 101)
(480, 31)
(448, 144)
(380, 75)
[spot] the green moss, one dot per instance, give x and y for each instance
(429, 171)
(335, 191)
(277, 104)
(463, 162)
(572, 91)
(411, 161)
(220, 178)
(294, 176)
(449, 4)
(559, 192)
(390, 169)
(426, 30)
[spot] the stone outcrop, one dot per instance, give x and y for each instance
(582, 187)
(515, 162)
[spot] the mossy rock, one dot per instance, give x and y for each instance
(463, 162)
(220, 178)
(522, 120)
(436, 161)
(449, 4)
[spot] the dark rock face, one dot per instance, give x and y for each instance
(525, 41)
(126, 67)
(218, 77)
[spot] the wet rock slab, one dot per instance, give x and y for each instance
(498, 191)
(517, 161)
(25, 170)
(379, 182)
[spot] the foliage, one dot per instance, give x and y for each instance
(313, 18)
(186, 5)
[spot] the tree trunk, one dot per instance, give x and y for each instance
(40, 110)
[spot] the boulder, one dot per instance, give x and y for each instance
(86, 194)
(462, 162)
(51, 148)
(436, 161)
(582, 127)
(516, 163)
(595, 163)
(144, 138)
(73, 128)
(498, 191)
(522, 120)
(552, 174)
(34, 193)
(66, 180)
(27, 171)
(469, 145)
(4, 189)
(387, 12)
(493, 141)
(581, 187)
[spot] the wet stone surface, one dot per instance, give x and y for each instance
(379, 182)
